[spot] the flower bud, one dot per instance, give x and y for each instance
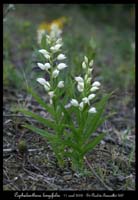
(41, 66)
(81, 106)
(86, 76)
(93, 89)
(55, 73)
(91, 63)
(42, 81)
(47, 87)
(47, 66)
(96, 84)
(85, 59)
(61, 66)
(56, 47)
(90, 70)
(60, 84)
(51, 94)
(43, 51)
(61, 57)
(80, 86)
(92, 110)
(85, 100)
(91, 96)
(84, 65)
(79, 79)
(74, 102)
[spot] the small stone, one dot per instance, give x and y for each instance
(67, 177)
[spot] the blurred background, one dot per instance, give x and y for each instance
(103, 31)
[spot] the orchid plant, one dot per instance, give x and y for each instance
(74, 109)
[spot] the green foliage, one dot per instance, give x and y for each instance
(66, 139)
(11, 76)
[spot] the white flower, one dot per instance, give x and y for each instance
(61, 66)
(86, 59)
(61, 57)
(51, 94)
(85, 100)
(45, 53)
(47, 66)
(92, 110)
(91, 63)
(96, 84)
(91, 96)
(93, 89)
(41, 66)
(79, 79)
(60, 84)
(84, 65)
(56, 47)
(55, 73)
(80, 86)
(67, 105)
(42, 81)
(81, 105)
(74, 102)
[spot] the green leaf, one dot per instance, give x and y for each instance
(95, 120)
(89, 146)
(73, 131)
(40, 119)
(69, 143)
(41, 102)
(40, 131)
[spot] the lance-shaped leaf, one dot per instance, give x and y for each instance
(40, 119)
(41, 102)
(40, 132)
(89, 146)
(96, 120)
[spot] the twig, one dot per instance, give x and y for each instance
(106, 186)
(41, 177)
(16, 116)
(12, 150)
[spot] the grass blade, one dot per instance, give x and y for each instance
(39, 131)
